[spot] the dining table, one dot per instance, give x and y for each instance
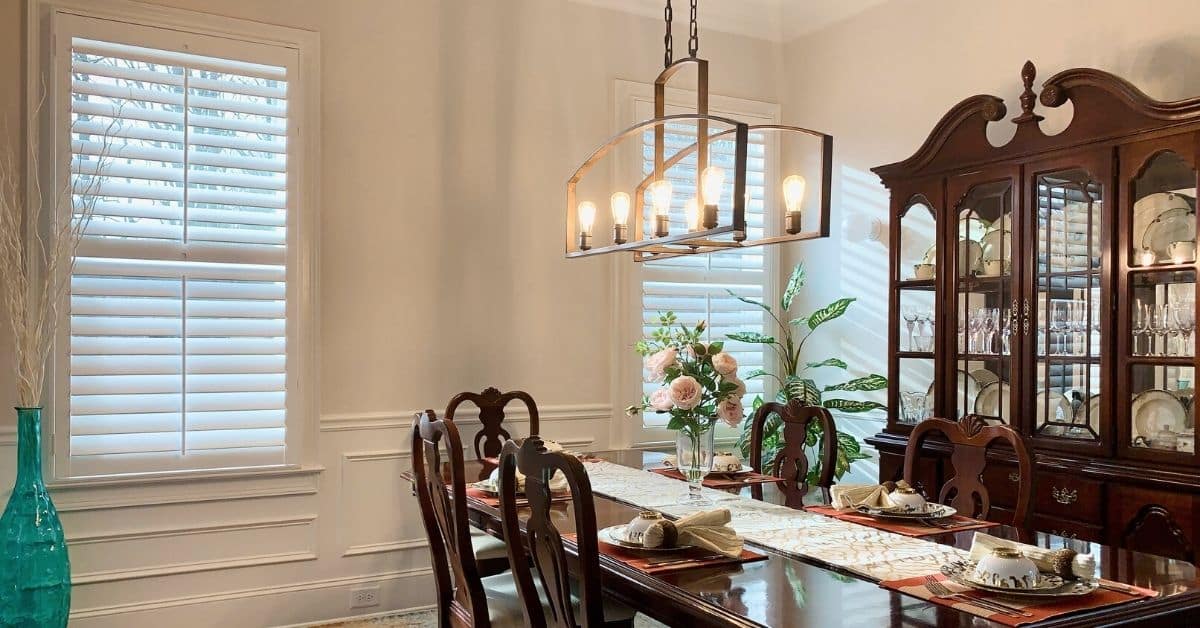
(809, 588)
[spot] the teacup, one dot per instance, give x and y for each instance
(907, 498)
(1182, 251)
(636, 529)
(924, 271)
(1007, 568)
(993, 268)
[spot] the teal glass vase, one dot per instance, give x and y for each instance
(35, 574)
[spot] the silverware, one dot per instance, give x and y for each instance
(940, 590)
(681, 561)
(1119, 588)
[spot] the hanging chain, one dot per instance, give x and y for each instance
(693, 33)
(668, 55)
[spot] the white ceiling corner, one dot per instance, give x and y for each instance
(773, 20)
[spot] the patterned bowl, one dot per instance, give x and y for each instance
(1007, 568)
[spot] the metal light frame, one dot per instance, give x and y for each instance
(693, 242)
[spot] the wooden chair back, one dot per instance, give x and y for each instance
(970, 438)
(460, 594)
(791, 462)
(546, 551)
(491, 403)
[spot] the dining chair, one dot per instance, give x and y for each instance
(791, 461)
(552, 596)
(970, 438)
(491, 403)
(465, 597)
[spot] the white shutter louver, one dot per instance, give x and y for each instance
(178, 296)
(695, 286)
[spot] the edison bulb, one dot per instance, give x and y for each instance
(711, 181)
(793, 192)
(620, 208)
(587, 216)
(660, 196)
(691, 210)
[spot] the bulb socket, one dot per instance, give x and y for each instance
(585, 241)
(792, 222)
(710, 217)
(662, 226)
(620, 233)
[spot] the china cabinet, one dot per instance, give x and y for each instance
(1050, 284)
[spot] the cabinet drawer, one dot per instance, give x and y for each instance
(1068, 496)
(1066, 528)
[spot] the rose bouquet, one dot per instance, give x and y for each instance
(699, 387)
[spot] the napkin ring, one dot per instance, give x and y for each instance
(1061, 561)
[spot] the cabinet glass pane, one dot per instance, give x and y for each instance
(916, 389)
(1067, 378)
(917, 320)
(1164, 314)
(984, 325)
(918, 236)
(1162, 408)
(1164, 212)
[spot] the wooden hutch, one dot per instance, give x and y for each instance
(1050, 284)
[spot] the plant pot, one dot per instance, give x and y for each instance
(35, 573)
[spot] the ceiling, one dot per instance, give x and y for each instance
(775, 20)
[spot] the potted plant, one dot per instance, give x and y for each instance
(796, 382)
(699, 386)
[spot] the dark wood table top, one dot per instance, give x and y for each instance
(787, 590)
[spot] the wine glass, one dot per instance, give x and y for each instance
(1079, 326)
(1005, 331)
(1171, 327)
(1141, 324)
(1156, 329)
(989, 325)
(974, 326)
(1058, 328)
(1185, 322)
(910, 319)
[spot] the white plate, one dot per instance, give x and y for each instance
(615, 535)
(997, 245)
(1057, 401)
(1153, 409)
(976, 227)
(1049, 585)
(984, 376)
(1150, 207)
(930, 256)
(970, 256)
(742, 471)
(970, 384)
(932, 511)
(988, 403)
(1171, 225)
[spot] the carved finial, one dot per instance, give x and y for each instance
(1028, 98)
(971, 424)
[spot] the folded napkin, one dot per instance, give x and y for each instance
(557, 483)
(1064, 562)
(851, 496)
(709, 530)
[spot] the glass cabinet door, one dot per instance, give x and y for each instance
(916, 296)
(984, 303)
(1159, 350)
(1069, 326)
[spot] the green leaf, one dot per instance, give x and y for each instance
(851, 405)
(752, 337)
(830, 362)
(803, 389)
(794, 283)
(870, 382)
(715, 347)
(756, 373)
(699, 350)
(829, 312)
(676, 422)
(748, 300)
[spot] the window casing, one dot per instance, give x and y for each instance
(186, 344)
(695, 287)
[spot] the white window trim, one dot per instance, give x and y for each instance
(304, 122)
(627, 366)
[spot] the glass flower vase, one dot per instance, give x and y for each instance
(35, 574)
(694, 457)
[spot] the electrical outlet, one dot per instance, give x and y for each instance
(364, 597)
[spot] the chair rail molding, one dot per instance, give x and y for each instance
(402, 419)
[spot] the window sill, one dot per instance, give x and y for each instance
(170, 477)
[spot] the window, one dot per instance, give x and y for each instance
(695, 287)
(184, 329)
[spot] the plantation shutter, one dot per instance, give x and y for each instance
(178, 353)
(695, 286)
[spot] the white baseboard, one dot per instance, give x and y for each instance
(415, 609)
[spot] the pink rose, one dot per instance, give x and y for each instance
(741, 386)
(731, 411)
(656, 365)
(686, 392)
(661, 400)
(725, 364)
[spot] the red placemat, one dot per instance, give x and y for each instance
(671, 561)
(900, 527)
(1038, 609)
(494, 500)
(722, 481)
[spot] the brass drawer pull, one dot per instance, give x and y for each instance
(1064, 496)
(1014, 477)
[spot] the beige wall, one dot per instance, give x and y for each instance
(448, 130)
(880, 81)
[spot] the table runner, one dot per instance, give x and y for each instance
(874, 554)
(721, 481)
(958, 523)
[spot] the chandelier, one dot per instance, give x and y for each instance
(682, 184)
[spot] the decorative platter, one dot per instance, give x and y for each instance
(1048, 585)
(615, 535)
(1171, 225)
(1154, 409)
(1147, 210)
(1060, 410)
(997, 245)
(931, 511)
(993, 401)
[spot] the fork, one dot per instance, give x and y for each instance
(940, 590)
